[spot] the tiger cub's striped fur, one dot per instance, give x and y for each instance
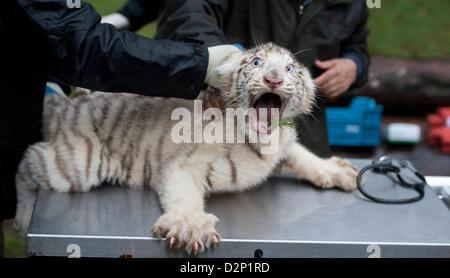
(126, 139)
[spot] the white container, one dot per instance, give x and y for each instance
(402, 133)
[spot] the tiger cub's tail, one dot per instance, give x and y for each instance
(32, 174)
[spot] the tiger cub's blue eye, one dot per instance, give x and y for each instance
(289, 68)
(257, 62)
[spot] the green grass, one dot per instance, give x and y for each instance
(106, 6)
(401, 28)
(14, 243)
(411, 29)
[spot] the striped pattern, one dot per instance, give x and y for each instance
(103, 137)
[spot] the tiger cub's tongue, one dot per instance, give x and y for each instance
(263, 108)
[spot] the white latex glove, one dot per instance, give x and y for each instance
(119, 21)
(216, 56)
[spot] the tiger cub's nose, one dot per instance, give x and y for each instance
(273, 82)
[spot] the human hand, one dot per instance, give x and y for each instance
(217, 55)
(119, 21)
(339, 74)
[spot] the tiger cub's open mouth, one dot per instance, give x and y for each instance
(264, 106)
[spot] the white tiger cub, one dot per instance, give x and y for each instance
(126, 139)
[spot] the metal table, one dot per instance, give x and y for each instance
(282, 218)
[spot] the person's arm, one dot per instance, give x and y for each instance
(193, 20)
(355, 48)
(351, 69)
(88, 54)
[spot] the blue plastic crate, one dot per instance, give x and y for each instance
(356, 125)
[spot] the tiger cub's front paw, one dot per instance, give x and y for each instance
(336, 172)
(194, 231)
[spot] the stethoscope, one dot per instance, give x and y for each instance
(393, 168)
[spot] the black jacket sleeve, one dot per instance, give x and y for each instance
(193, 20)
(88, 54)
(357, 43)
(140, 12)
